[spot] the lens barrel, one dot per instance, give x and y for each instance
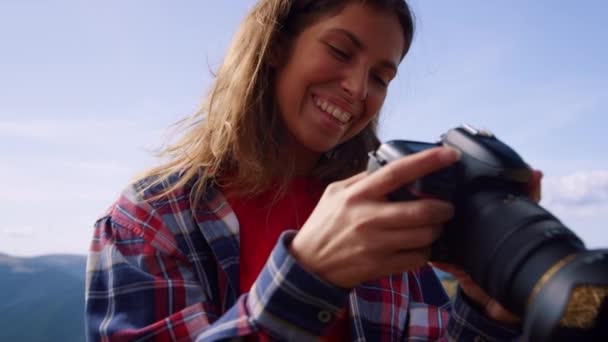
(508, 234)
(536, 267)
(530, 262)
(572, 305)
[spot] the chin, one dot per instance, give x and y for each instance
(320, 147)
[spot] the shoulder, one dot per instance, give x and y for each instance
(150, 196)
(167, 195)
(158, 211)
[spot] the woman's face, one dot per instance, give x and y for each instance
(336, 75)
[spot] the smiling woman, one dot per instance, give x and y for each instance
(336, 79)
(263, 224)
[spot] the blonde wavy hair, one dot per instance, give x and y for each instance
(237, 131)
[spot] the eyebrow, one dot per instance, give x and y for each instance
(359, 44)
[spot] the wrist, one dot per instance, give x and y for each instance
(296, 250)
(310, 263)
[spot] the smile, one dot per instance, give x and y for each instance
(339, 114)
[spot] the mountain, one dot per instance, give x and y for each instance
(42, 298)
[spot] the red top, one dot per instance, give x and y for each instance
(262, 219)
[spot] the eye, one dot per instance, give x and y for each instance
(383, 82)
(338, 53)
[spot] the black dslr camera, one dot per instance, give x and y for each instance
(517, 251)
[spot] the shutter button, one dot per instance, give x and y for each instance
(324, 316)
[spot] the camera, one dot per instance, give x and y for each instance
(516, 250)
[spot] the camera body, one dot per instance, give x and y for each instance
(483, 157)
(486, 164)
(517, 251)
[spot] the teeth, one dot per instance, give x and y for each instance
(336, 112)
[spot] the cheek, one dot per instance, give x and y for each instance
(299, 76)
(372, 108)
(318, 67)
(287, 91)
(375, 101)
(358, 126)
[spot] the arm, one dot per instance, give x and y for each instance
(135, 290)
(138, 287)
(289, 303)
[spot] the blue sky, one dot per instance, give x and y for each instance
(88, 90)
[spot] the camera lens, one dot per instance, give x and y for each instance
(524, 257)
(572, 304)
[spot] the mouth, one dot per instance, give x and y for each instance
(336, 112)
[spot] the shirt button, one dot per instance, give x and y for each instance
(324, 316)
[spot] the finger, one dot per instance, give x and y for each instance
(538, 175)
(415, 238)
(409, 238)
(499, 312)
(422, 212)
(404, 170)
(404, 261)
(534, 186)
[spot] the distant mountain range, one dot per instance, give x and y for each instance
(42, 298)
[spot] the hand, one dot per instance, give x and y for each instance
(491, 307)
(354, 234)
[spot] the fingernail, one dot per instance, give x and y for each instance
(449, 154)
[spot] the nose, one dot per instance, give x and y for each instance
(355, 82)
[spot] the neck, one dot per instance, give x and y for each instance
(305, 159)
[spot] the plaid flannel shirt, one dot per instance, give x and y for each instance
(159, 270)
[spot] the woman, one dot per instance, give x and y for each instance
(263, 223)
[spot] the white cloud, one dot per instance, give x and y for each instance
(579, 189)
(580, 201)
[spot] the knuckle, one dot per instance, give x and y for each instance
(363, 222)
(393, 171)
(394, 174)
(332, 188)
(435, 212)
(422, 212)
(349, 198)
